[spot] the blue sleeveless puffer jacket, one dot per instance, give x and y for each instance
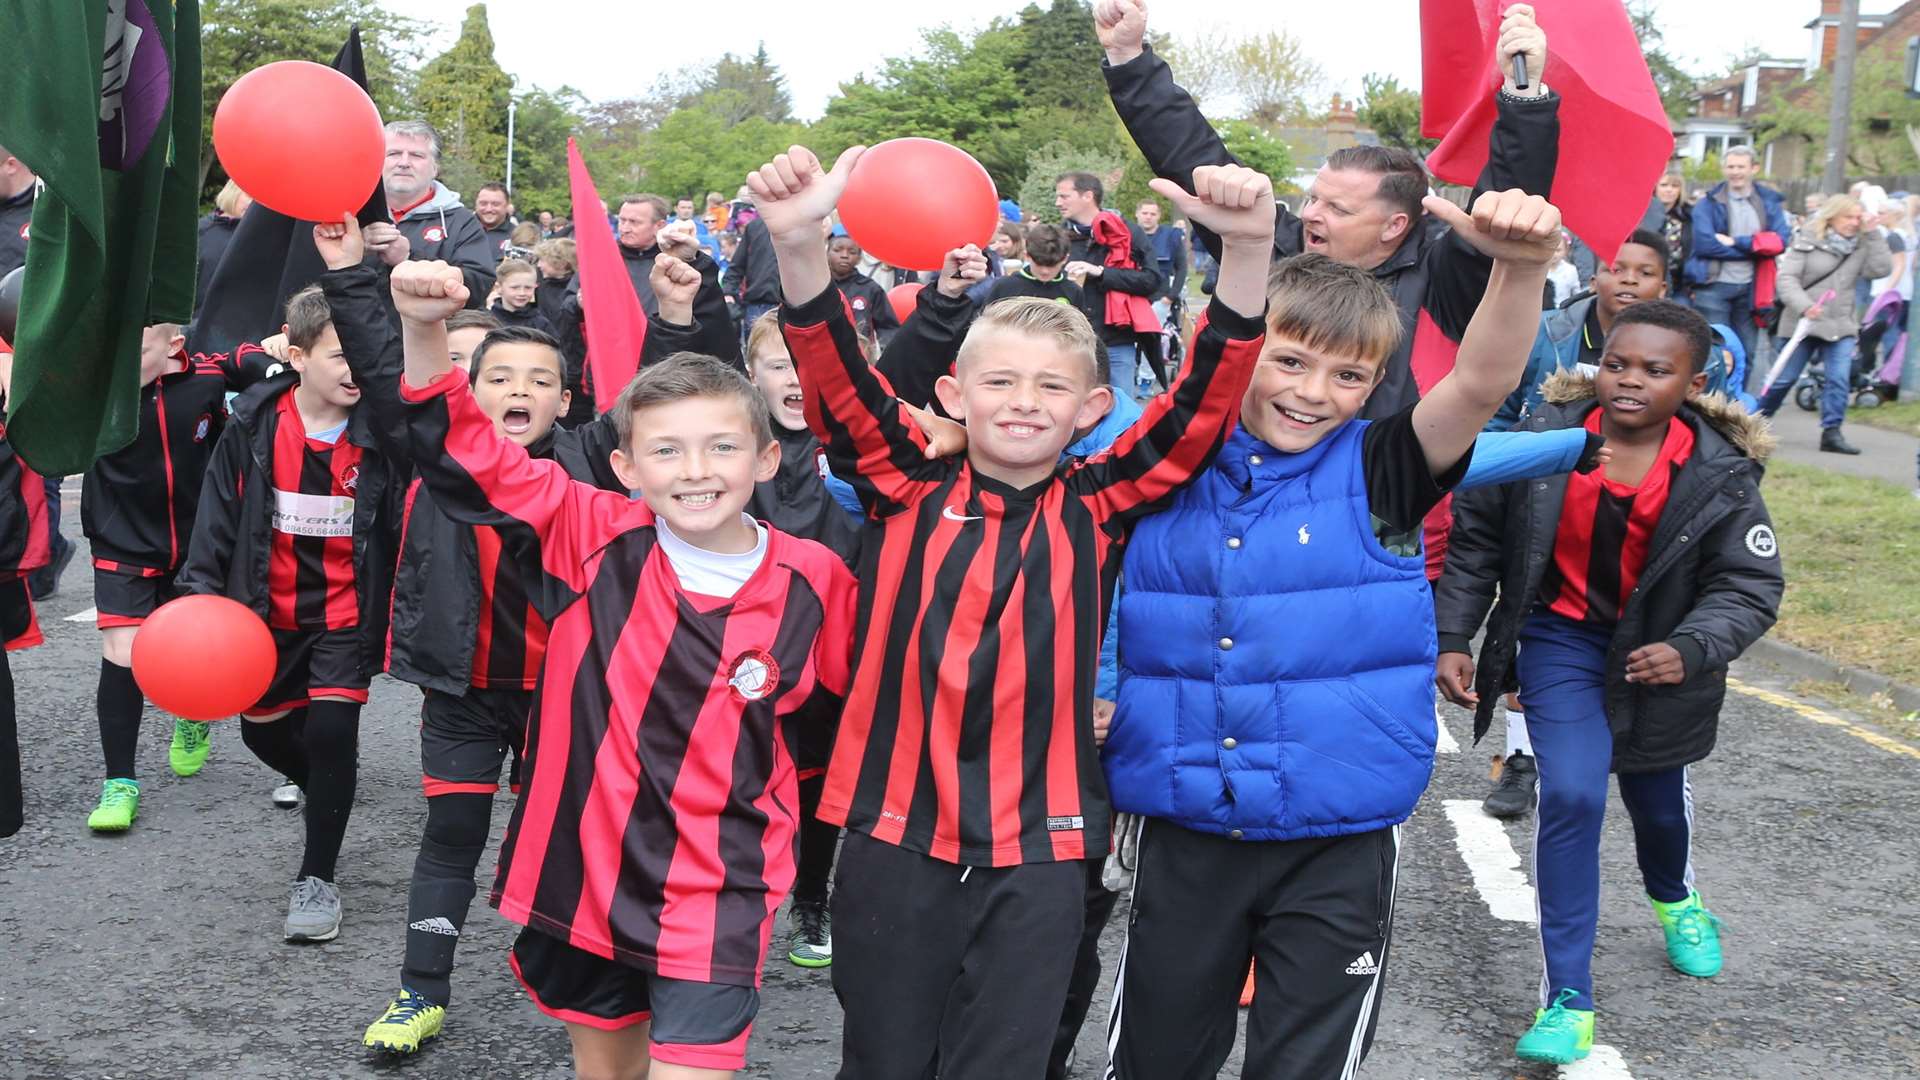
(1276, 662)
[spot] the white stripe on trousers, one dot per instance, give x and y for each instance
(1115, 1008)
(1356, 1046)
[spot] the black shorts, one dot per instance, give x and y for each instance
(696, 1024)
(314, 663)
(126, 595)
(465, 738)
(19, 629)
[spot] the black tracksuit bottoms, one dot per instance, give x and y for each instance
(1314, 916)
(963, 969)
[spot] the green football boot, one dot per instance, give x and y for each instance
(119, 805)
(190, 747)
(1693, 936)
(1559, 1035)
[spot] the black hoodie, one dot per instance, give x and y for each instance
(717, 334)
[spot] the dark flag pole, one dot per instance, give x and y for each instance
(271, 257)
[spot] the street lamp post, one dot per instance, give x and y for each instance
(510, 108)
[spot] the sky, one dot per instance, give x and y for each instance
(609, 51)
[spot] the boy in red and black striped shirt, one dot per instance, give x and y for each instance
(137, 510)
(653, 840)
(296, 521)
(965, 768)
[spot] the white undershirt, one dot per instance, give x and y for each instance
(711, 573)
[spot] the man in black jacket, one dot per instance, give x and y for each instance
(640, 225)
(1099, 237)
(428, 221)
(753, 276)
(1363, 208)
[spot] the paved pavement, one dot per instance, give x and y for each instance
(157, 953)
(1885, 455)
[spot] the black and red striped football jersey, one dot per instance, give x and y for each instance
(310, 568)
(657, 821)
(968, 732)
(1606, 527)
(511, 639)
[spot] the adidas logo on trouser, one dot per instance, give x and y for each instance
(1364, 964)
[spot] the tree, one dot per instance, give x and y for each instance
(1674, 83)
(695, 151)
(1393, 112)
(1877, 141)
(464, 94)
(1202, 63)
(1057, 57)
(542, 122)
(237, 36)
(736, 89)
(1278, 79)
(1257, 148)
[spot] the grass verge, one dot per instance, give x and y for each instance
(1900, 416)
(1875, 709)
(1852, 553)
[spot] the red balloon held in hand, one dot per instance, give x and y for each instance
(903, 298)
(910, 201)
(204, 657)
(301, 138)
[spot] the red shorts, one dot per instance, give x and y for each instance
(314, 663)
(699, 1025)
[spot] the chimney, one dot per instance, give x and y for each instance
(1341, 124)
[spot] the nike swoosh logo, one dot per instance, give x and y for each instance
(950, 515)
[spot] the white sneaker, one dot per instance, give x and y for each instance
(287, 795)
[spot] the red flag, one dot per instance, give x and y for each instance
(1615, 138)
(616, 324)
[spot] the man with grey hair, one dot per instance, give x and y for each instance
(1723, 263)
(428, 220)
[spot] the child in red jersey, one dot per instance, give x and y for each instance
(654, 836)
(24, 547)
(137, 508)
(296, 521)
(964, 768)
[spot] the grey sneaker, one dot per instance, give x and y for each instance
(287, 795)
(313, 911)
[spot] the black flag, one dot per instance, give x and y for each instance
(270, 257)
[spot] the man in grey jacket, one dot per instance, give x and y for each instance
(428, 220)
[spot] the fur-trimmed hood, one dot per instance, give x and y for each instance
(1746, 433)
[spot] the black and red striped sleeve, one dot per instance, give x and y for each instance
(1180, 432)
(479, 478)
(871, 441)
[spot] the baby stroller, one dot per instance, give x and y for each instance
(1883, 344)
(1862, 391)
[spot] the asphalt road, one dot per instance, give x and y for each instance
(158, 953)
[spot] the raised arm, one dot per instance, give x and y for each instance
(361, 317)
(1180, 431)
(476, 476)
(1519, 232)
(1170, 130)
(927, 344)
(871, 440)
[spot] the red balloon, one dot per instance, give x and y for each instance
(301, 138)
(910, 201)
(903, 298)
(204, 657)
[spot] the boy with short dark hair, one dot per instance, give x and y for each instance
(137, 509)
(1047, 248)
(964, 768)
(872, 311)
(465, 331)
(297, 516)
(653, 839)
(1274, 723)
(1627, 593)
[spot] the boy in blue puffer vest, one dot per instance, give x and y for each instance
(1275, 721)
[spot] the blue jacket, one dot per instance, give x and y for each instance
(1276, 660)
(1557, 348)
(1710, 222)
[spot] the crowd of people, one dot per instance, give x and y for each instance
(955, 628)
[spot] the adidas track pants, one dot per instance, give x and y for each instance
(1313, 915)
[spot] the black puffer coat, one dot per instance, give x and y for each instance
(1711, 586)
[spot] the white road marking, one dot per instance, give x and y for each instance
(1443, 739)
(1605, 1063)
(1491, 860)
(89, 615)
